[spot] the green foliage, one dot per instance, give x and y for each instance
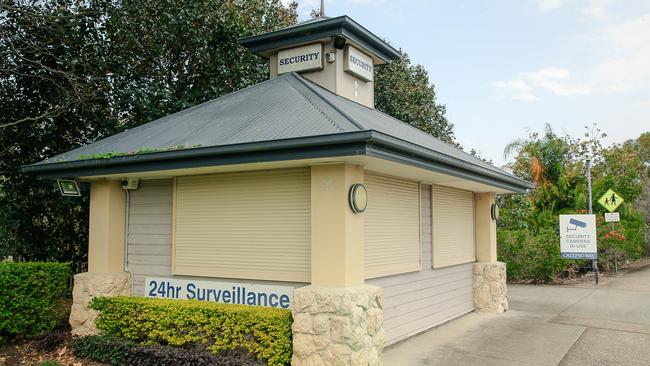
(531, 256)
(74, 72)
(49, 363)
(121, 352)
(32, 298)
(621, 241)
(556, 165)
(404, 91)
(266, 332)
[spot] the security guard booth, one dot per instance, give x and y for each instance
(297, 193)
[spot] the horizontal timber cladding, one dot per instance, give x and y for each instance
(252, 225)
(150, 231)
(453, 227)
(392, 225)
(417, 301)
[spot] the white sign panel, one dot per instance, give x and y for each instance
(223, 292)
(578, 236)
(612, 217)
(358, 64)
(304, 58)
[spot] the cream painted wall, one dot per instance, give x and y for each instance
(107, 226)
(486, 228)
(336, 231)
(335, 79)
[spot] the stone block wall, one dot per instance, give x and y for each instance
(490, 288)
(88, 285)
(338, 326)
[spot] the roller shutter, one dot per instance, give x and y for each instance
(392, 226)
(253, 225)
(453, 226)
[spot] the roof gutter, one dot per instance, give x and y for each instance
(419, 156)
(371, 143)
(285, 149)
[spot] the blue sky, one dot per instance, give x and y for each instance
(505, 68)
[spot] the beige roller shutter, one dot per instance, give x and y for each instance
(453, 226)
(253, 225)
(392, 225)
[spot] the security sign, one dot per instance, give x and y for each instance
(611, 200)
(578, 236)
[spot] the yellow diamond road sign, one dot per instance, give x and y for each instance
(611, 200)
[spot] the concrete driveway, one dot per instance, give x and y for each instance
(547, 325)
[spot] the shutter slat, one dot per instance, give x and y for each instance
(253, 225)
(392, 226)
(453, 226)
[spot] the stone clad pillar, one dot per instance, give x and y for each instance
(105, 276)
(490, 288)
(337, 319)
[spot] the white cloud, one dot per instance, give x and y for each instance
(624, 66)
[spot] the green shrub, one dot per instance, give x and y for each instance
(265, 332)
(32, 298)
(531, 256)
(49, 363)
(621, 241)
(121, 352)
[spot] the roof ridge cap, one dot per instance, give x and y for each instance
(319, 93)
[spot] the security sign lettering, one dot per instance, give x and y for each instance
(578, 237)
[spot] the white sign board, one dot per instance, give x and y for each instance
(358, 64)
(223, 292)
(612, 217)
(578, 236)
(303, 58)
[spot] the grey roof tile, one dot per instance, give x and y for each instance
(285, 107)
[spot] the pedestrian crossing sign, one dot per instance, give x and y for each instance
(611, 200)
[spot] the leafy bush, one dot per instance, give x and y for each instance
(531, 256)
(48, 342)
(118, 352)
(622, 241)
(49, 363)
(32, 298)
(265, 332)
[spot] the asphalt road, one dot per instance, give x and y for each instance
(547, 325)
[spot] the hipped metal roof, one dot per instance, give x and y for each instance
(284, 118)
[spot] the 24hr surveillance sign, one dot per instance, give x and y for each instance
(578, 236)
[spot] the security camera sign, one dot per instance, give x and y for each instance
(578, 236)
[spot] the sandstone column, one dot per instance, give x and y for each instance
(490, 287)
(337, 319)
(105, 276)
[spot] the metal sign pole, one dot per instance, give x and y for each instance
(594, 262)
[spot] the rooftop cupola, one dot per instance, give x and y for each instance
(335, 53)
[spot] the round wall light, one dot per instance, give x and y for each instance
(358, 198)
(494, 211)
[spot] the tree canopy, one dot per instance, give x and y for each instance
(404, 91)
(75, 72)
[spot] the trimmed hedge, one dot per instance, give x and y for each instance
(32, 298)
(531, 256)
(121, 352)
(265, 332)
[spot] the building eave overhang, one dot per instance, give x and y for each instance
(369, 143)
(339, 26)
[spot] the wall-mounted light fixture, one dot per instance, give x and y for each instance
(69, 187)
(494, 211)
(358, 198)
